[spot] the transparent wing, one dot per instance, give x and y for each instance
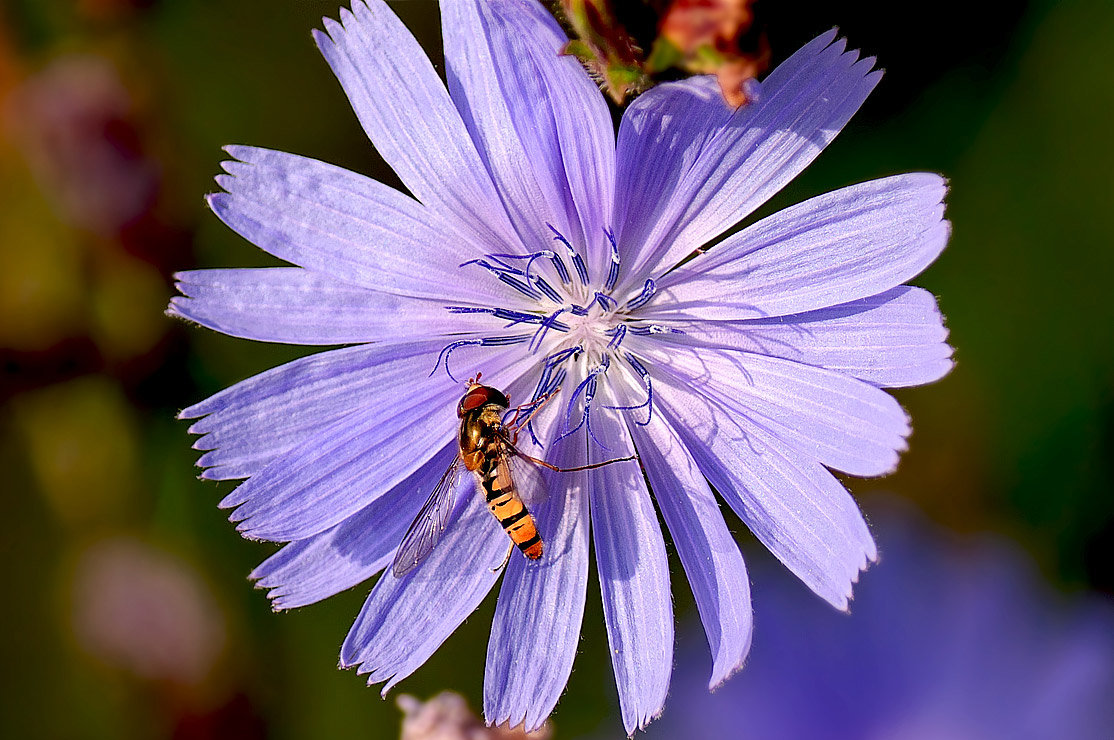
(529, 478)
(430, 522)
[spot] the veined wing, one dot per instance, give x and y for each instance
(529, 481)
(430, 522)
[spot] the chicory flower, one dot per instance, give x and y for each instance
(535, 247)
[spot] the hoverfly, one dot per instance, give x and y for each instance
(487, 449)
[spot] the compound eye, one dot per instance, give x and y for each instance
(472, 400)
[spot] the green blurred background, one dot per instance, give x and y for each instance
(127, 610)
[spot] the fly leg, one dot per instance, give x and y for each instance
(535, 406)
(551, 466)
(506, 559)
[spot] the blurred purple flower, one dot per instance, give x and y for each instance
(541, 251)
(949, 639)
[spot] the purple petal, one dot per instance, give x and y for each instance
(830, 417)
(894, 339)
(297, 306)
(634, 578)
(404, 621)
(540, 123)
(338, 223)
(250, 424)
(313, 569)
(739, 163)
(848, 244)
(661, 137)
(536, 629)
(406, 112)
(345, 467)
(794, 506)
(708, 552)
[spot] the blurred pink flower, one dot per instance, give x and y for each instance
(77, 124)
(447, 717)
(147, 612)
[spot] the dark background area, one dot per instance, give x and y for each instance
(112, 115)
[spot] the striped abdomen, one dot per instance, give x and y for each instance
(505, 503)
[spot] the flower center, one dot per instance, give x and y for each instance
(568, 322)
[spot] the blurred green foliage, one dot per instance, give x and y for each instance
(1019, 438)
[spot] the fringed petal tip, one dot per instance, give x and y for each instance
(178, 310)
(215, 474)
(389, 678)
(238, 152)
(717, 681)
(275, 593)
(870, 558)
(525, 720)
(216, 202)
(324, 38)
(642, 723)
(210, 474)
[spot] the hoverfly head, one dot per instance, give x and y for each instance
(477, 396)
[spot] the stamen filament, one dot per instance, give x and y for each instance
(541, 284)
(515, 317)
(577, 260)
(619, 333)
(647, 293)
(549, 322)
(588, 388)
(549, 381)
(649, 402)
(448, 349)
(613, 271)
(607, 303)
(506, 273)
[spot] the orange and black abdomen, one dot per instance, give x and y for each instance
(505, 503)
(483, 450)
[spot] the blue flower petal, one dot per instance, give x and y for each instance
(250, 424)
(894, 339)
(662, 134)
(404, 621)
(842, 422)
(803, 104)
(708, 551)
(634, 579)
(848, 244)
(334, 474)
(316, 568)
(345, 225)
(539, 121)
(536, 630)
(406, 112)
(298, 306)
(793, 505)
